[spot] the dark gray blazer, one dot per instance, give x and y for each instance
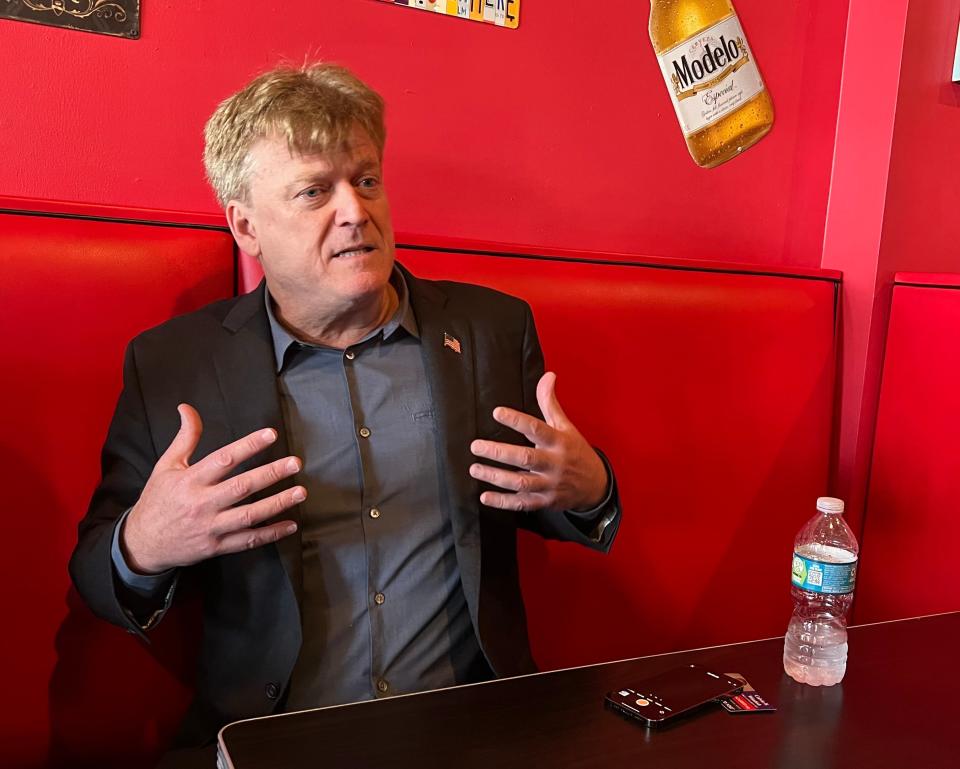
(220, 360)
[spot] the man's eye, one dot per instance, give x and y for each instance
(369, 182)
(311, 193)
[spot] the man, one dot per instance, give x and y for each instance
(348, 504)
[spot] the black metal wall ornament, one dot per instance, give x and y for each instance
(106, 17)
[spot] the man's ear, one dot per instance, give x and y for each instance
(241, 225)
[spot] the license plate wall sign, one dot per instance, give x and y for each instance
(502, 13)
(106, 17)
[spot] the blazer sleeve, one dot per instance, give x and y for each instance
(596, 528)
(127, 459)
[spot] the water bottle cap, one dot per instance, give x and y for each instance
(829, 505)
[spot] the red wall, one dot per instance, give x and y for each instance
(921, 226)
(559, 133)
(868, 105)
(894, 193)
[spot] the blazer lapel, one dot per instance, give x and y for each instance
(245, 366)
(451, 379)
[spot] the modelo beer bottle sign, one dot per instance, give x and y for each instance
(712, 76)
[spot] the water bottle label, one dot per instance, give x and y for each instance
(822, 577)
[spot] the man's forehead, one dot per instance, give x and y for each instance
(272, 153)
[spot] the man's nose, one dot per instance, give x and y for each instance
(350, 209)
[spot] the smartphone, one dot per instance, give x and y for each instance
(669, 695)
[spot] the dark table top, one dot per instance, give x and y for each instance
(898, 706)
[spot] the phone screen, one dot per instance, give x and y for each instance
(668, 695)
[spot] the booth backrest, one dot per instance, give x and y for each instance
(72, 294)
(912, 523)
(710, 389)
(712, 393)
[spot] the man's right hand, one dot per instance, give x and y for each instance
(188, 513)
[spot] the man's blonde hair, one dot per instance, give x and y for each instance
(313, 108)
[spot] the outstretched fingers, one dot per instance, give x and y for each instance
(516, 502)
(249, 539)
(524, 457)
(560, 471)
(510, 479)
(218, 464)
(534, 430)
(244, 518)
(236, 489)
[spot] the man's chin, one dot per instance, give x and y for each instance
(367, 284)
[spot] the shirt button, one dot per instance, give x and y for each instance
(350, 355)
(364, 432)
(382, 686)
(379, 598)
(272, 690)
(374, 513)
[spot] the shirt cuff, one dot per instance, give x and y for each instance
(149, 586)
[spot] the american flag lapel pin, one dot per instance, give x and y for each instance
(452, 342)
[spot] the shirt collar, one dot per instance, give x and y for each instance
(403, 317)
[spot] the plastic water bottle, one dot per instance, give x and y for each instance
(822, 580)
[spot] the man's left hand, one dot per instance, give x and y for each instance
(561, 471)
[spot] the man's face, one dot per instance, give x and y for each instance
(320, 225)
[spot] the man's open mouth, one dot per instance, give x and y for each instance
(354, 251)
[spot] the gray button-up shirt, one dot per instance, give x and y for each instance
(383, 608)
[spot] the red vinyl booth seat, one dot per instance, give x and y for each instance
(74, 292)
(710, 389)
(912, 525)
